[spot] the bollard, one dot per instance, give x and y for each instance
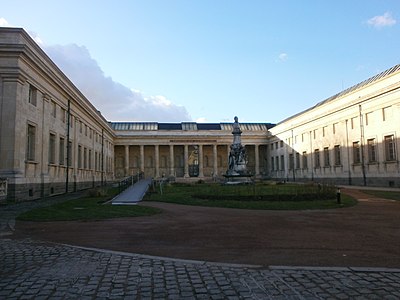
(338, 196)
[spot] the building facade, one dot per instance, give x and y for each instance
(53, 140)
(350, 138)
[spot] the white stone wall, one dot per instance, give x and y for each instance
(369, 113)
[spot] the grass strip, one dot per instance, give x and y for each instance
(85, 209)
(384, 194)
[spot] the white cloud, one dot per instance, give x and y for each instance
(115, 101)
(4, 23)
(382, 21)
(283, 57)
(201, 120)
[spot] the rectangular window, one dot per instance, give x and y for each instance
(61, 155)
(31, 141)
(371, 150)
(315, 134)
(291, 161)
(324, 131)
(79, 156)
(85, 165)
(317, 162)
(90, 159)
(272, 164)
(356, 153)
(390, 154)
(32, 97)
(81, 127)
(53, 109)
(297, 160)
(338, 159)
(277, 162)
(326, 157)
(305, 164)
(282, 162)
(63, 115)
(281, 144)
(52, 149)
(302, 137)
(353, 123)
(69, 154)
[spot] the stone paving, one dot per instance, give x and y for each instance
(37, 270)
(40, 270)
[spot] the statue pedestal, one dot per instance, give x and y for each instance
(238, 179)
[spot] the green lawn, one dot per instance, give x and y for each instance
(278, 197)
(86, 208)
(384, 194)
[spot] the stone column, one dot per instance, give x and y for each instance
(201, 174)
(157, 159)
(141, 158)
(215, 161)
(126, 160)
(171, 161)
(257, 160)
(186, 161)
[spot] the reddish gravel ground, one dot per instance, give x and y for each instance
(366, 235)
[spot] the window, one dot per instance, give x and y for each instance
(390, 154)
(315, 134)
(297, 160)
(324, 129)
(61, 151)
(281, 144)
(63, 115)
(85, 164)
(302, 137)
(317, 162)
(81, 127)
(336, 152)
(305, 164)
(53, 109)
(386, 113)
(30, 151)
(79, 156)
(334, 128)
(371, 150)
(52, 149)
(277, 162)
(32, 95)
(291, 161)
(282, 162)
(356, 153)
(326, 157)
(353, 123)
(272, 164)
(69, 154)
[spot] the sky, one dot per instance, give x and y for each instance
(208, 61)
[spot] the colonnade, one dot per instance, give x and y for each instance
(180, 160)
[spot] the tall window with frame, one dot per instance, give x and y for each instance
(371, 150)
(297, 160)
(32, 97)
(304, 156)
(69, 154)
(272, 164)
(52, 148)
(79, 156)
(30, 144)
(337, 155)
(356, 153)
(277, 163)
(291, 161)
(317, 162)
(61, 152)
(390, 151)
(326, 157)
(282, 163)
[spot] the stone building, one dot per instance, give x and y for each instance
(53, 140)
(350, 138)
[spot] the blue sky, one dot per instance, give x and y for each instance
(211, 60)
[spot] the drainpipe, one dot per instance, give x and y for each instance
(68, 146)
(348, 151)
(362, 145)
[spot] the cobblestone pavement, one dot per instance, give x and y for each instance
(37, 270)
